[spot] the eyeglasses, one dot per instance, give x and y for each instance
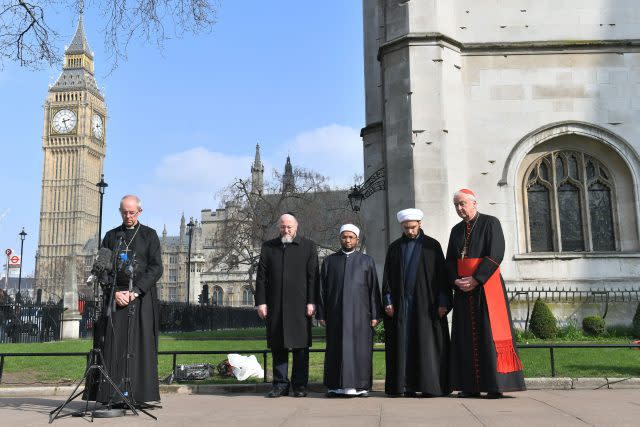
(129, 213)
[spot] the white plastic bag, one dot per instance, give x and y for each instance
(244, 367)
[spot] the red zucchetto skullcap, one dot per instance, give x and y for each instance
(467, 191)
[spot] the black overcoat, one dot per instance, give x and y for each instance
(349, 301)
(286, 282)
(144, 328)
(417, 348)
(473, 354)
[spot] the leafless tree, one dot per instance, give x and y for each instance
(28, 38)
(251, 218)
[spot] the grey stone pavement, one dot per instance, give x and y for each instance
(603, 407)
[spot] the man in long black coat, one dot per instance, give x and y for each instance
(349, 307)
(483, 352)
(416, 298)
(140, 243)
(286, 286)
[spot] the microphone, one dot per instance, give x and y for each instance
(103, 262)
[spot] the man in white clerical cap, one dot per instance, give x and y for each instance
(349, 307)
(416, 298)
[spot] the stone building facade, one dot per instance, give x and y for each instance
(533, 105)
(74, 148)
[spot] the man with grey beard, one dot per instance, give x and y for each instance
(286, 285)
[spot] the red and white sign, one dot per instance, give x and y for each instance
(8, 252)
(14, 261)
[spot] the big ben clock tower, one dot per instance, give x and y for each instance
(74, 144)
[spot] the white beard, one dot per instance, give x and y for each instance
(286, 239)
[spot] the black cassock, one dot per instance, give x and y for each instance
(145, 321)
(349, 300)
(417, 339)
(473, 352)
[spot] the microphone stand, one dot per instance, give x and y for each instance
(95, 361)
(130, 268)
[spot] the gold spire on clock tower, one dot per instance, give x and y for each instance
(74, 147)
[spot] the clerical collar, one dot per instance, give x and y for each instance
(475, 217)
(348, 253)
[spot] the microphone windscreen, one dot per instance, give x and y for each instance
(104, 260)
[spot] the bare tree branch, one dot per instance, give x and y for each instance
(251, 218)
(27, 38)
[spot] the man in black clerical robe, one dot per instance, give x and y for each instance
(286, 287)
(140, 243)
(483, 353)
(416, 297)
(349, 307)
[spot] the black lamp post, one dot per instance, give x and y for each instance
(376, 182)
(22, 235)
(101, 186)
(190, 227)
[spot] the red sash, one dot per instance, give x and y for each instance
(508, 360)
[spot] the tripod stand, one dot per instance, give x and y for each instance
(96, 362)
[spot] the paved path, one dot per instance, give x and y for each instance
(532, 408)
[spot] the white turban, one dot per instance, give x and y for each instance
(411, 214)
(350, 227)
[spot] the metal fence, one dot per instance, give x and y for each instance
(30, 322)
(266, 352)
(180, 317)
(599, 295)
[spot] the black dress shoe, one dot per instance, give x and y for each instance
(300, 392)
(468, 395)
(278, 391)
(494, 395)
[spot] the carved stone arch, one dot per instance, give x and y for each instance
(548, 135)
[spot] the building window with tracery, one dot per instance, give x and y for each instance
(216, 296)
(570, 204)
(247, 296)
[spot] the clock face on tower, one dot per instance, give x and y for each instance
(97, 126)
(64, 121)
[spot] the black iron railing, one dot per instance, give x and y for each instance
(30, 322)
(265, 353)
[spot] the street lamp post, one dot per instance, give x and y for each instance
(190, 227)
(376, 182)
(101, 187)
(22, 235)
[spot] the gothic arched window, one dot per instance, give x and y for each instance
(247, 296)
(569, 199)
(216, 296)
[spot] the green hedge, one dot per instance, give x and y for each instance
(543, 323)
(593, 326)
(636, 322)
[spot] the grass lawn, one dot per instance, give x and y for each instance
(38, 370)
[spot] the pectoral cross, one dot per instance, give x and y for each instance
(463, 253)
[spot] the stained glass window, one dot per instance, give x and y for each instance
(558, 204)
(601, 218)
(216, 296)
(540, 219)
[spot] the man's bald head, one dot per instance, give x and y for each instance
(130, 208)
(288, 227)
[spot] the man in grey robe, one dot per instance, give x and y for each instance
(349, 307)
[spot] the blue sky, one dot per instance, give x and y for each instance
(183, 121)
